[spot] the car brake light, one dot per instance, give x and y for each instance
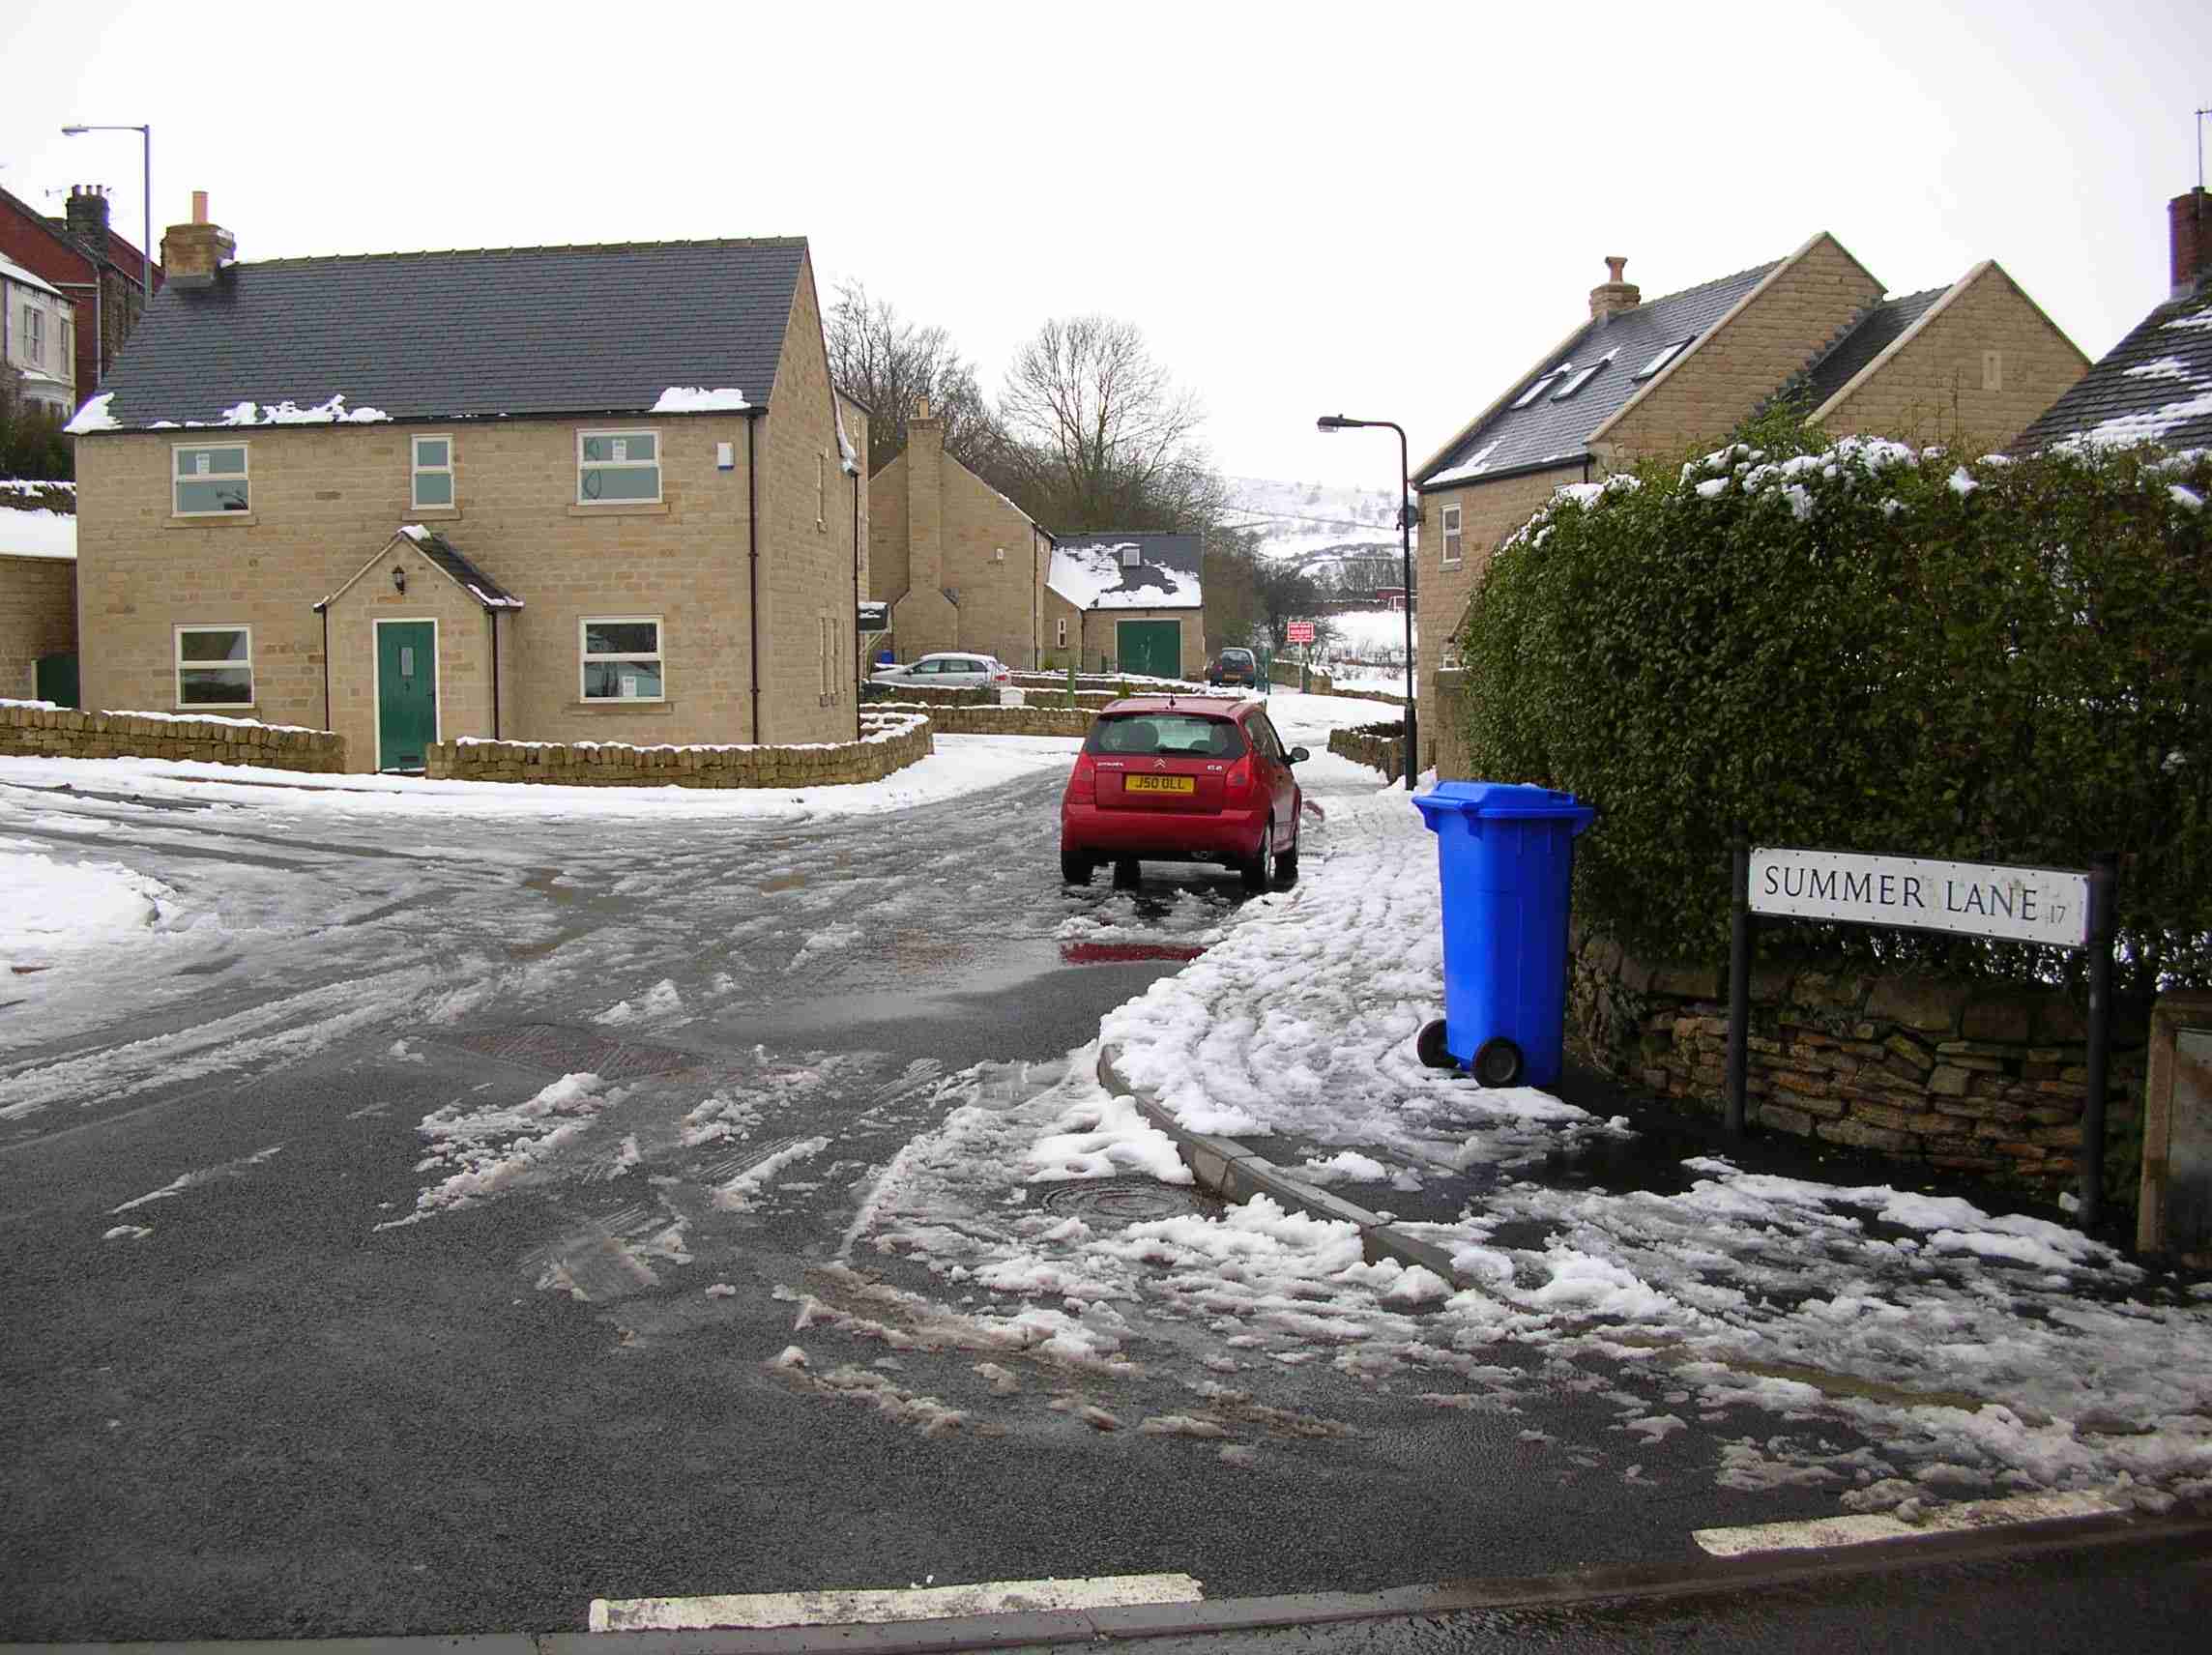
(1239, 776)
(1086, 772)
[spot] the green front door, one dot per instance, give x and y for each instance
(1150, 649)
(406, 692)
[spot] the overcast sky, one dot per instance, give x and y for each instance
(1388, 210)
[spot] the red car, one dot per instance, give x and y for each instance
(1185, 778)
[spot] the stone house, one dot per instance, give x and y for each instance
(1974, 362)
(545, 494)
(102, 274)
(37, 592)
(2156, 384)
(960, 566)
(1130, 603)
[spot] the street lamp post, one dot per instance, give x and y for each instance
(1338, 422)
(146, 247)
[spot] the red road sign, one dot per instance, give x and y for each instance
(1300, 631)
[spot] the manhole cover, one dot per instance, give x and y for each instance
(1125, 1200)
(565, 1051)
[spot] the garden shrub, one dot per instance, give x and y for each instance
(1856, 645)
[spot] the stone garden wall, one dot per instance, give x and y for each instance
(889, 742)
(40, 730)
(1984, 1079)
(1379, 746)
(1002, 720)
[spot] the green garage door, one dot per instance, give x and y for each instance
(1150, 648)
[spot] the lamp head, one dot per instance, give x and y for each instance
(74, 132)
(1332, 422)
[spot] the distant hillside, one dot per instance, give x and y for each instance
(1315, 525)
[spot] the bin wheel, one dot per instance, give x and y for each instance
(1429, 1046)
(1497, 1063)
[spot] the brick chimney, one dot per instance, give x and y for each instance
(925, 500)
(2189, 230)
(1612, 293)
(86, 218)
(193, 254)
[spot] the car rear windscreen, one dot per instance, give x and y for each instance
(1166, 735)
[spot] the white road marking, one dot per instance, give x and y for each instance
(920, 1603)
(1858, 1530)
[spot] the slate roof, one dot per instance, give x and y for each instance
(447, 556)
(2154, 385)
(1558, 431)
(1874, 331)
(1088, 571)
(586, 329)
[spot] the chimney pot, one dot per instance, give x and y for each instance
(2187, 234)
(193, 254)
(1613, 295)
(923, 413)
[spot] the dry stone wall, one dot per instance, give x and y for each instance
(1381, 747)
(1008, 721)
(888, 744)
(1981, 1079)
(32, 730)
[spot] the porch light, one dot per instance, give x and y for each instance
(399, 578)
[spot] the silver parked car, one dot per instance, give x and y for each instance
(948, 669)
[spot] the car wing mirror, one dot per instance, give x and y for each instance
(1299, 755)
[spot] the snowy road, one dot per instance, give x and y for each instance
(428, 1215)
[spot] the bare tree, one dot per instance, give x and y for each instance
(1096, 434)
(891, 367)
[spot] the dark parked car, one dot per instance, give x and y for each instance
(1186, 778)
(1234, 666)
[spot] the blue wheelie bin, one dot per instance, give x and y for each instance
(1504, 853)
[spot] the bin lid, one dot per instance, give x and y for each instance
(1501, 802)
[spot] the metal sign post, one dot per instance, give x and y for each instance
(2059, 907)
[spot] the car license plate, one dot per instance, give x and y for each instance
(1160, 784)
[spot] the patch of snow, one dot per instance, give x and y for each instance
(698, 399)
(95, 416)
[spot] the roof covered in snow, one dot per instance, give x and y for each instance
(16, 273)
(38, 519)
(1551, 428)
(1097, 572)
(2154, 385)
(521, 330)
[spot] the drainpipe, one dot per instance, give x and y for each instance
(323, 609)
(752, 574)
(856, 668)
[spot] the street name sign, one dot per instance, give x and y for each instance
(1300, 631)
(1977, 899)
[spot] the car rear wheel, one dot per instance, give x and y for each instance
(1074, 868)
(1254, 868)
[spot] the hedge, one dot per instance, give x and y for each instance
(1858, 645)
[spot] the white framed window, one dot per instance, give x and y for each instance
(69, 344)
(618, 468)
(431, 469)
(210, 480)
(1541, 384)
(821, 489)
(622, 658)
(1132, 557)
(214, 666)
(35, 335)
(1454, 539)
(1060, 633)
(1667, 354)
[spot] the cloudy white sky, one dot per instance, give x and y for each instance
(1379, 208)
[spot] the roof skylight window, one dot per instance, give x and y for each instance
(1666, 356)
(1541, 384)
(1576, 381)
